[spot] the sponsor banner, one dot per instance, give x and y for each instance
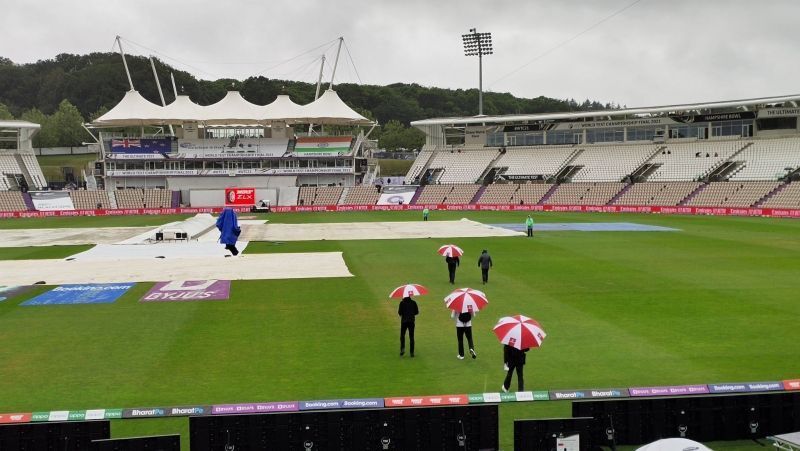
(188, 290)
(521, 177)
(10, 291)
(95, 414)
(589, 394)
(541, 396)
(113, 414)
(361, 403)
(397, 195)
(772, 212)
(491, 397)
(227, 172)
(155, 412)
(676, 390)
(58, 415)
(77, 415)
(9, 418)
(522, 128)
(51, 200)
(240, 196)
(323, 145)
(141, 145)
(778, 112)
(475, 398)
(417, 401)
(144, 413)
(93, 293)
(742, 387)
(508, 397)
(258, 407)
(40, 416)
(791, 384)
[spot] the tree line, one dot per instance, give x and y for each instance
(56, 92)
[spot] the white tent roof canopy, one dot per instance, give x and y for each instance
(133, 109)
(233, 109)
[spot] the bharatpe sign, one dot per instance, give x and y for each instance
(363, 403)
(742, 387)
(94, 293)
(188, 290)
(589, 394)
(155, 412)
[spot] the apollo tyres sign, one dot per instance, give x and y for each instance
(240, 196)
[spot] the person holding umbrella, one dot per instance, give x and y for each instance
(518, 334)
(407, 311)
(229, 230)
(484, 263)
(451, 255)
(465, 303)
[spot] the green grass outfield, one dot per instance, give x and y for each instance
(714, 302)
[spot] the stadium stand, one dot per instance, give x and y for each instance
(143, 198)
(584, 193)
(691, 161)
(528, 193)
(610, 163)
(419, 164)
(12, 201)
(361, 195)
(90, 200)
(767, 159)
(447, 194)
(657, 193)
(542, 160)
(787, 197)
(322, 195)
(461, 166)
(731, 194)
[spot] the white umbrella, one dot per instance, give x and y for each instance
(674, 444)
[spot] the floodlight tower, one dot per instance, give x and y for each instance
(478, 44)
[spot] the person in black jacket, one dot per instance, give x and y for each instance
(514, 359)
(452, 264)
(484, 263)
(407, 310)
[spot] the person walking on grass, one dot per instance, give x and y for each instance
(514, 360)
(425, 213)
(229, 230)
(407, 310)
(464, 327)
(529, 226)
(484, 263)
(452, 264)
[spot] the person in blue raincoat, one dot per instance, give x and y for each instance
(229, 230)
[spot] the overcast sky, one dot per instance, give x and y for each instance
(655, 52)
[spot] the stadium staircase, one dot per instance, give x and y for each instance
(28, 201)
(478, 195)
(771, 194)
(724, 169)
(642, 172)
(620, 193)
(25, 173)
(343, 196)
(112, 199)
(416, 195)
(482, 179)
(548, 194)
(693, 193)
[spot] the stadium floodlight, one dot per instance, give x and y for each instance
(478, 44)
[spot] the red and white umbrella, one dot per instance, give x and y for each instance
(466, 300)
(519, 331)
(450, 250)
(411, 289)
